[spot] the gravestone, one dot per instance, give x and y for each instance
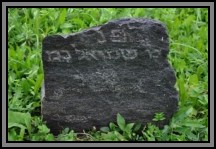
(119, 67)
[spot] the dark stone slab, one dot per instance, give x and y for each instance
(119, 67)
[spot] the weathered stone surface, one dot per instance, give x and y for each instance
(119, 67)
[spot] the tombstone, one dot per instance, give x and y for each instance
(119, 67)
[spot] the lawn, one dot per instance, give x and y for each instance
(188, 33)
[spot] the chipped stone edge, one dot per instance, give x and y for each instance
(121, 21)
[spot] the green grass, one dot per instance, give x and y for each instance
(188, 32)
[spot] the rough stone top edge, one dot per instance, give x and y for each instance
(121, 21)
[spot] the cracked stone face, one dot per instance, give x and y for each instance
(119, 67)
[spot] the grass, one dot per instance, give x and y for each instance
(188, 32)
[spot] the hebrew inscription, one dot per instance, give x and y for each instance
(58, 56)
(85, 54)
(119, 67)
(118, 36)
